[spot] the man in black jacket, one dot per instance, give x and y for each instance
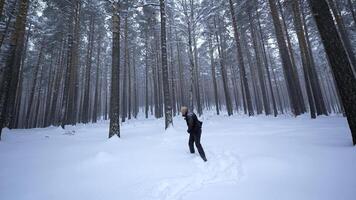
(194, 130)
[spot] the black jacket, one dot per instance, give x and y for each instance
(194, 125)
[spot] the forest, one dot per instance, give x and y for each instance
(273, 83)
(65, 62)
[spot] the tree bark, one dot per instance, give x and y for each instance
(167, 96)
(337, 55)
(115, 74)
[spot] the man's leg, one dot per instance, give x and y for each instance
(198, 145)
(191, 143)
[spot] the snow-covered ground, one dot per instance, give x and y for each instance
(248, 158)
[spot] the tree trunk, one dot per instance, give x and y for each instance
(124, 78)
(97, 95)
(337, 55)
(56, 87)
(213, 74)
(87, 89)
(71, 107)
(167, 96)
(172, 67)
(135, 97)
(129, 87)
(115, 74)
(146, 72)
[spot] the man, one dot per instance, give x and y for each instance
(194, 130)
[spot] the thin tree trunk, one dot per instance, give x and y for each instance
(135, 97)
(167, 96)
(129, 87)
(146, 72)
(97, 91)
(87, 79)
(213, 74)
(115, 74)
(124, 78)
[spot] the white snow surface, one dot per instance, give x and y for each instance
(249, 158)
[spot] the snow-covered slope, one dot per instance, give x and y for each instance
(248, 158)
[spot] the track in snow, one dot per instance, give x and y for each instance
(222, 166)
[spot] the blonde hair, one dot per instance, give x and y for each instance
(184, 109)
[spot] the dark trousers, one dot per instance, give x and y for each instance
(195, 138)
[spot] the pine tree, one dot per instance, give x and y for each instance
(167, 96)
(338, 59)
(115, 74)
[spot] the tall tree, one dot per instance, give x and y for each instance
(167, 96)
(115, 73)
(338, 59)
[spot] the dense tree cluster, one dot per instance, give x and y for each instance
(79, 61)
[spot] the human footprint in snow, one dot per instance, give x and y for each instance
(194, 130)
